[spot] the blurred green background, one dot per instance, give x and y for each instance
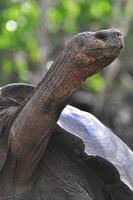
(33, 33)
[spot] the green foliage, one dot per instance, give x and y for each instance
(94, 83)
(63, 16)
(72, 15)
(19, 24)
(18, 38)
(100, 9)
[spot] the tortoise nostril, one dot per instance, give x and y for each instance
(101, 35)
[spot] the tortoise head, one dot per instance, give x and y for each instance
(98, 48)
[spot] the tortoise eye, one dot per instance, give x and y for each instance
(101, 35)
(118, 34)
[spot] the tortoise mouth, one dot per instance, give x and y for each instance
(118, 48)
(108, 50)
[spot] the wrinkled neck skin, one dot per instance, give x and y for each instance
(32, 128)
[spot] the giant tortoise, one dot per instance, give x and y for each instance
(40, 159)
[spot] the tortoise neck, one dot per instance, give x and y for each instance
(62, 80)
